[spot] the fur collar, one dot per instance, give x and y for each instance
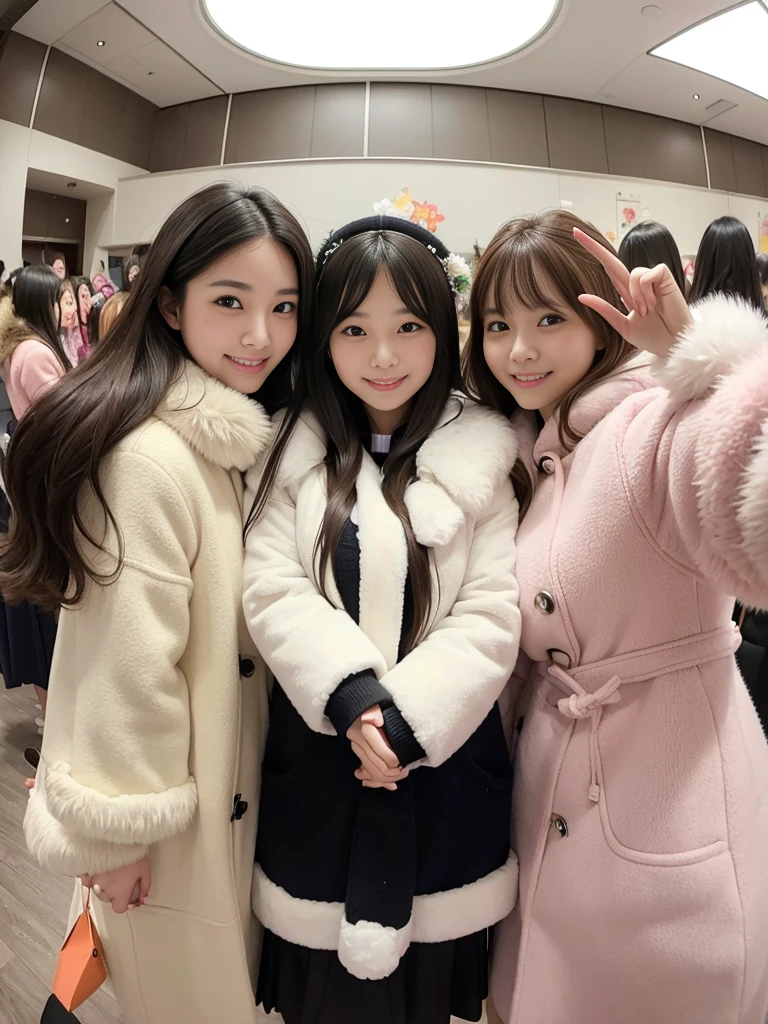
(226, 427)
(13, 330)
(727, 331)
(595, 405)
(458, 468)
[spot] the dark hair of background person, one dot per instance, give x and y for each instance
(59, 446)
(94, 320)
(141, 249)
(647, 245)
(36, 301)
(762, 269)
(536, 261)
(726, 264)
(343, 283)
(77, 283)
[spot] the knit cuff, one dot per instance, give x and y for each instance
(401, 737)
(354, 695)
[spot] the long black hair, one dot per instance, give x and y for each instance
(647, 245)
(348, 265)
(59, 446)
(36, 301)
(726, 263)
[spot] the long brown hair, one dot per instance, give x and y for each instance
(524, 258)
(421, 283)
(57, 450)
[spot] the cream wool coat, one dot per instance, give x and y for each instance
(152, 733)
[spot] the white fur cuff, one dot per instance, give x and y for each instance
(727, 332)
(66, 853)
(753, 505)
(138, 819)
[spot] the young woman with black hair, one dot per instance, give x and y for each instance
(126, 486)
(379, 589)
(647, 245)
(726, 264)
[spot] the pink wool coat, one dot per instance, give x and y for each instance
(641, 799)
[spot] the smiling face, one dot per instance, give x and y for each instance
(539, 355)
(59, 269)
(239, 317)
(68, 307)
(383, 354)
(84, 302)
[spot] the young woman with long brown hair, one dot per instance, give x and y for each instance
(126, 486)
(641, 773)
(379, 588)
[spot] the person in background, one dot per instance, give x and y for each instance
(59, 266)
(83, 296)
(109, 313)
(75, 345)
(762, 269)
(647, 245)
(131, 272)
(726, 264)
(2, 272)
(31, 360)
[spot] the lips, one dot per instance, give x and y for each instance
(386, 384)
(530, 380)
(247, 365)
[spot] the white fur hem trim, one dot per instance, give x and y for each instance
(132, 818)
(440, 917)
(753, 506)
(67, 853)
(727, 332)
(371, 952)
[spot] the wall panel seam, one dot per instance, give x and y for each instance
(39, 88)
(367, 118)
(226, 130)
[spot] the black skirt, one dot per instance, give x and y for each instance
(27, 635)
(432, 983)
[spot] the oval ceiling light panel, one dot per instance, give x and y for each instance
(730, 46)
(355, 35)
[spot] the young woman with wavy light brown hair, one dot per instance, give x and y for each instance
(641, 776)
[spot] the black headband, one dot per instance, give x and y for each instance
(380, 223)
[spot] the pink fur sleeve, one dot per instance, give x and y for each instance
(33, 369)
(696, 459)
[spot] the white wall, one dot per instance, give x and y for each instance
(475, 198)
(24, 148)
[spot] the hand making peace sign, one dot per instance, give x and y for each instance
(657, 310)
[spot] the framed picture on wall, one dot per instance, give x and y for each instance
(629, 212)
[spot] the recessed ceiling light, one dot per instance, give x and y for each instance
(730, 46)
(100, 42)
(696, 96)
(341, 34)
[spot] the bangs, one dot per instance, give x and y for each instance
(401, 269)
(523, 278)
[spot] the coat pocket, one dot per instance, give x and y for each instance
(661, 778)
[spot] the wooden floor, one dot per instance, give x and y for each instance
(33, 905)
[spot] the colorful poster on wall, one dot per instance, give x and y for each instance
(762, 233)
(628, 213)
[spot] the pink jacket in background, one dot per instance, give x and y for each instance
(641, 788)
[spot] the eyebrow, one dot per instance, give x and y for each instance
(367, 316)
(242, 286)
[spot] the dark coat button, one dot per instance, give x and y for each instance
(239, 807)
(247, 667)
(545, 602)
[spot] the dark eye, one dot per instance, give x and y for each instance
(550, 320)
(354, 332)
(229, 302)
(497, 326)
(409, 328)
(285, 307)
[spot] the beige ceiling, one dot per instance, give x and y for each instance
(597, 50)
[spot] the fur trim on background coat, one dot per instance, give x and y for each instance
(157, 713)
(641, 773)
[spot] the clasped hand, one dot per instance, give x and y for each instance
(379, 765)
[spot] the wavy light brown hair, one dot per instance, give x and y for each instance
(531, 261)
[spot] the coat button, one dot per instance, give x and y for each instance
(247, 667)
(239, 807)
(559, 658)
(561, 825)
(547, 465)
(545, 602)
